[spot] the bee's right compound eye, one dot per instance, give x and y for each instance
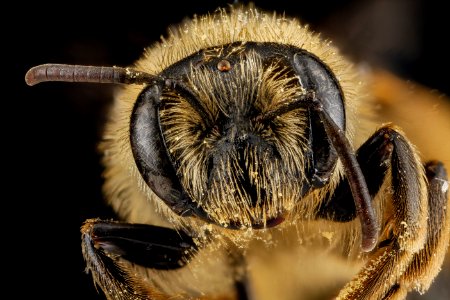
(150, 152)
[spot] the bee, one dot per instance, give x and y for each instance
(244, 142)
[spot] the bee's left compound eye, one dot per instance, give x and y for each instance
(315, 75)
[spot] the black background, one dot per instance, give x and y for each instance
(50, 131)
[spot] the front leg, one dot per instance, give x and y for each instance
(106, 244)
(393, 267)
(112, 248)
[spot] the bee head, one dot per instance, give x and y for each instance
(228, 135)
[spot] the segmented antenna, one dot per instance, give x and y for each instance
(76, 73)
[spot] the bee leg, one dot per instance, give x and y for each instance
(406, 233)
(427, 262)
(109, 248)
(242, 284)
(242, 288)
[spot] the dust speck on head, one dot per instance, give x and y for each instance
(444, 187)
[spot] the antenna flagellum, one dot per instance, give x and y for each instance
(93, 74)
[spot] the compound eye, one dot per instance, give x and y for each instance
(316, 76)
(150, 152)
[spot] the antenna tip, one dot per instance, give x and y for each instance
(30, 77)
(369, 238)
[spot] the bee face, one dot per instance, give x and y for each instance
(234, 146)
